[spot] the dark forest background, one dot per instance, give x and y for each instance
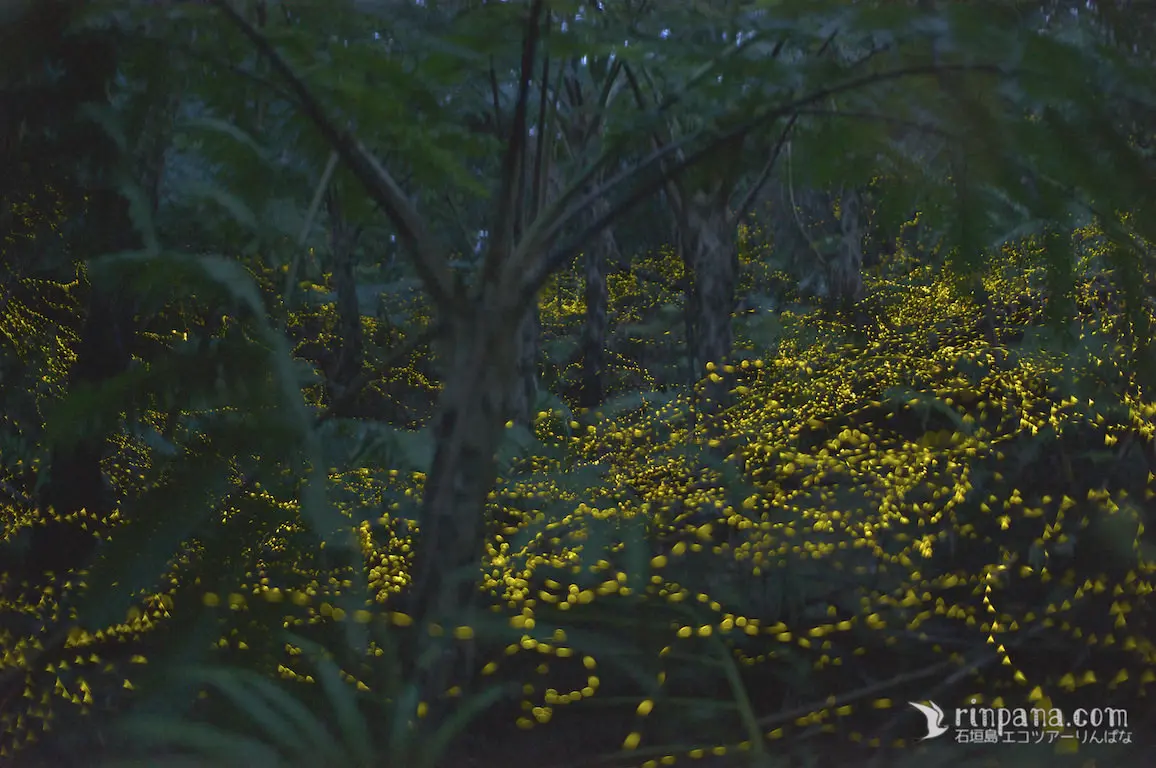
(560, 383)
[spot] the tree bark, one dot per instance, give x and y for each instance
(596, 326)
(805, 225)
(711, 258)
(76, 480)
(481, 370)
(845, 269)
(482, 352)
(523, 395)
(343, 240)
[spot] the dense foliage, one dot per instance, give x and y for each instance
(553, 383)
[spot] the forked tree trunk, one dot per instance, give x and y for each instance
(596, 326)
(711, 257)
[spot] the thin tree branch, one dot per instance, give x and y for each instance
(497, 103)
(780, 718)
(469, 249)
(603, 99)
(538, 190)
(558, 218)
(429, 261)
(922, 127)
(538, 240)
(748, 199)
(744, 206)
(656, 141)
(512, 192)
(793, 714)
(562, 255)
(318, 196)
(188, 50)
(795, 211)
(307, 226)
(378, 372)
(959, 674)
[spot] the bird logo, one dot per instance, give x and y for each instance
(934, 715)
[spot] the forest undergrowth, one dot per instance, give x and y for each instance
(924, 498)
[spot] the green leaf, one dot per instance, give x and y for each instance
(232, 204)
(463, 715)
(622, 405)
(308, 726)
(107, 119)
(378, 444)
(136, 554)
(224, 128)
(215, 744)
(518, 442)
(252, 694)
(342, 699)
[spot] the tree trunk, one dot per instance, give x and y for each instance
(523, 394)
(711, 257)
(342, 240)
(481, 355)
(76, 479)
(845, 269)
(825, 250)
(597, 321)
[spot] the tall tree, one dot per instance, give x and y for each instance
(343, 236)
(589, 84)
(48, 134)
(480, 321)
